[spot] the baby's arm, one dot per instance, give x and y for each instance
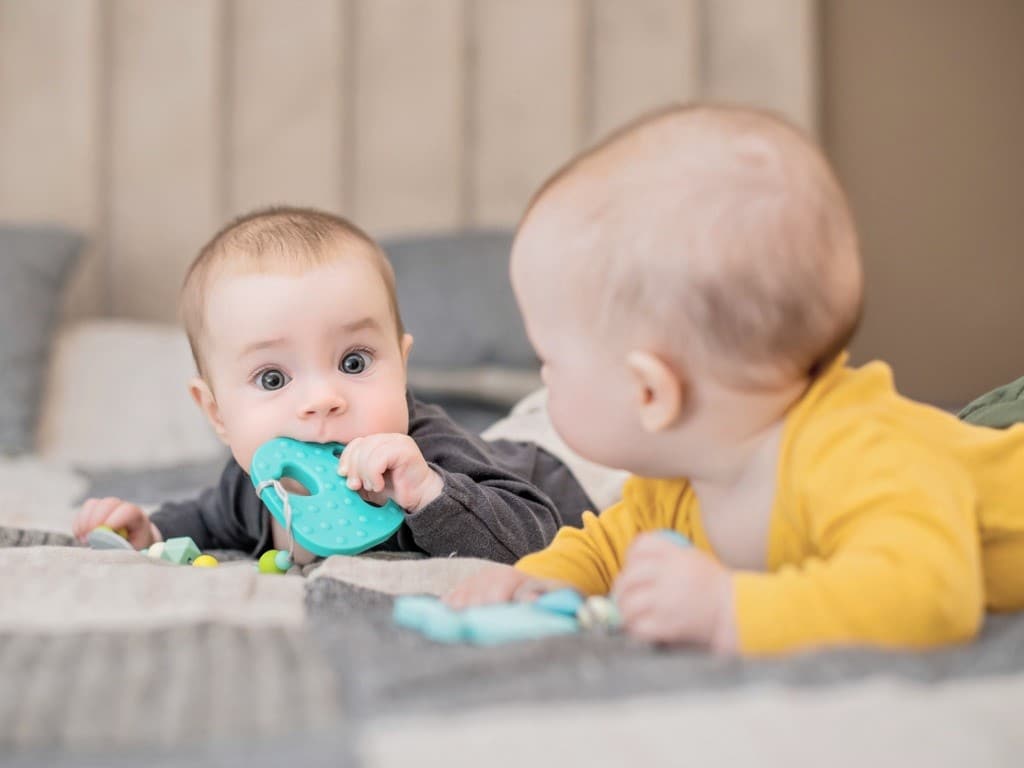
(483, 509)
(498, 583)
(586, 559)
(898, 560)
(227, 516)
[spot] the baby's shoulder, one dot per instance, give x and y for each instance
(858, 438)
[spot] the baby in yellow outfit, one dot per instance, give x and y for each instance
(690, 285)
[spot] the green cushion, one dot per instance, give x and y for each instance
(999, 408)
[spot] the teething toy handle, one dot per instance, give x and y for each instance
(333, 519)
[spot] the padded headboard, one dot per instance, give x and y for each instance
(145, 125)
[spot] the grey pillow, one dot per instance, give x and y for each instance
(457, 301)
(34, 265)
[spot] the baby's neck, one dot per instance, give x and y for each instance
(734, 427)
(734, 476)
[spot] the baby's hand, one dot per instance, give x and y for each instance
(392, 465)
(672, 594)
(116, 514)
(498, 584)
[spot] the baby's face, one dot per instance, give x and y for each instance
(313, 356)
(589, 388)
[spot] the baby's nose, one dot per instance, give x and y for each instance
(324, 402)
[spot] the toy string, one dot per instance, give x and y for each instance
(283, 495)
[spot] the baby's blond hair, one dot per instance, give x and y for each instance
(279, 239)
(725, 233)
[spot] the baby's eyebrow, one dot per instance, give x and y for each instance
(258, 345)
(360, 324)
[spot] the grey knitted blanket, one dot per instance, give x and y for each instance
(108, 658)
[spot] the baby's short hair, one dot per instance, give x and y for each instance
(277, 239)
(725, 231)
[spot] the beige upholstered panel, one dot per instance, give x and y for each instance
(166, 153)
(50, 110)
(409, 59)
(147, 123)
(763, 53)
(528, 92)
(286, 103)
(643, 55)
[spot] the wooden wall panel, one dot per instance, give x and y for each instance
(408, 114)
(285, 130)
(764, 54)
(529, 101)
(49, 125)
(166, 156)
(643, 54)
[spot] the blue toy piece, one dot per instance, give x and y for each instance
(675, 536)
(486, 625)
(564, 601)
(104, 538)
(560, 612)
(333, 519)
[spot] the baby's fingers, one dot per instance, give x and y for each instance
(347, 459)
(99, 514)
(128, 516)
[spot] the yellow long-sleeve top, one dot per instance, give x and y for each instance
(893, 524)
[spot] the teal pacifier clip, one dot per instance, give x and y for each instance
(333, 519)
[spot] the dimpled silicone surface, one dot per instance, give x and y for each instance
(333, 519)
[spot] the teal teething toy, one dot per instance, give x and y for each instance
(333, 519)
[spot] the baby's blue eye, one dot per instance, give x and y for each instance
(271, 379)
(354, 362)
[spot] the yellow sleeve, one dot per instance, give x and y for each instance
(897, 557)
(591, 557)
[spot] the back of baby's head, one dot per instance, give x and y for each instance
(722, 233)
(275, 240)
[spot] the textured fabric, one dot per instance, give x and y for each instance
(94, 418)
(342, 686)
(184, 688)
(529, 421)
(1000, 408)
(29, 537)
(390, 670)
(457, 300)
(874, 535)
(876, 722)
(38, 494)
(34, 264)
(500, 499)
(76, 589)
(432, 576)
(152, 485)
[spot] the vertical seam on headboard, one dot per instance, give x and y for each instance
(703, 37)
(585, 129)
(348, 61)
(468, 210)
(105, 175)
(225, 109)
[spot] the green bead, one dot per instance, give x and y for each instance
(283, 561)
(268, 562)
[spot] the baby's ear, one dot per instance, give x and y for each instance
(207, 403)
(660, 391)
